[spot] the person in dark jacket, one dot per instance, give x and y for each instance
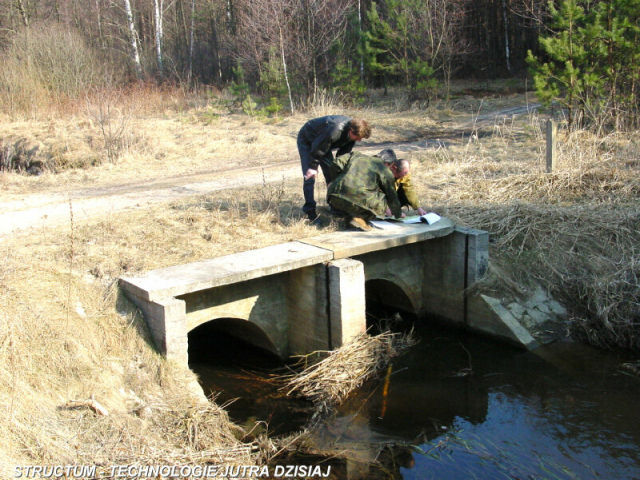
(364, 189)
(316, 140)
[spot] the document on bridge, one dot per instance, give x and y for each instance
(385, 225)
(429, 218)
(391, 223)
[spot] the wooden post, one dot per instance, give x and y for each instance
(551, 146)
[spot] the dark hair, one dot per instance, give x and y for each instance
(387, 155)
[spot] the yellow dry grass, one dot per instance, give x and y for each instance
(67, 335)
(328, 381)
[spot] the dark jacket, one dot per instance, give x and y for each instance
(323, 134)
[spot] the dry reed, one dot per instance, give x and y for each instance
(328, 381)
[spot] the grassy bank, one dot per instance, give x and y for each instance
(68, 340)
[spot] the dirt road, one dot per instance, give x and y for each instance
(51, 209)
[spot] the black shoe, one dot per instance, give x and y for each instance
(313, 217)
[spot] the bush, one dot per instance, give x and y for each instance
(48, 64)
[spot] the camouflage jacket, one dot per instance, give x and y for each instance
(367, 183)
(403, 184)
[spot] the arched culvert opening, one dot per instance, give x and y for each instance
(232, 342)
(388, 307)
(235, 361)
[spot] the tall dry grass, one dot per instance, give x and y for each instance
(575, 230)
(68, 339)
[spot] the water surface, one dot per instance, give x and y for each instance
(463, 406)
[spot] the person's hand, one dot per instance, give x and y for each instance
(421, 211)
(310, 173)
(387, 212)
(402, 214)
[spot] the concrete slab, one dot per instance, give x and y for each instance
(489, 316)
(350, 243)
(192, 277)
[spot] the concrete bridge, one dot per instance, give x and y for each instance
(298, 297)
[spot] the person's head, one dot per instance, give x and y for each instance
(359, 129)
(387, 155)
(399, 167)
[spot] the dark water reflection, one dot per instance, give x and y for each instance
(461, 406)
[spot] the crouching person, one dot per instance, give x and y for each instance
(364, 190)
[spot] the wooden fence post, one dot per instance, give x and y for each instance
(551, 145)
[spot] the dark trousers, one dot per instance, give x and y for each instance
(308, 187)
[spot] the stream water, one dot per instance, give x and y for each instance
(457, 406)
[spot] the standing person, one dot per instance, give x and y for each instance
(400, 169)
(364, 190)
(316, 140)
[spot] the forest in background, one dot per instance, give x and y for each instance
(583, 56)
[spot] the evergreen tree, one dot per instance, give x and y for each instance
(560, 79)
(391, 47)
(593, 62)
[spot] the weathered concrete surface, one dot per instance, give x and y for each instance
(434, 275)
(235, 268)
(532, 322)
(489, 316)
(347, 308)
(349, 244)
(310, 295)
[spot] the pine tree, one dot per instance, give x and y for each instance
(390, 47)
(560, 79)
(593, 62)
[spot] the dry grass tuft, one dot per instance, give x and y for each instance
(328, 382)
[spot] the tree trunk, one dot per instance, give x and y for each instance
(286, 76)
(133, 35)
(23, 13)
(158, 11)
(506, 35)
(191, 35)
(101, 41)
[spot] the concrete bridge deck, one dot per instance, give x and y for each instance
(306, 295)
(238, 267)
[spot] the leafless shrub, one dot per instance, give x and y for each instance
(48, 64)
(113, 122)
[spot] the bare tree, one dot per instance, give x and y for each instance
(158, 10)
(133, 39)
(439, 23)
(23, 13)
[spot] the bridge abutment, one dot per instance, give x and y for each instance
(310, 295)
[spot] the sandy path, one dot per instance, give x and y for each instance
(46, 210)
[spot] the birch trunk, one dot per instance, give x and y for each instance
(134, 36)
(23, 13)
(286, 76)
(507, 51)
(158, 10)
